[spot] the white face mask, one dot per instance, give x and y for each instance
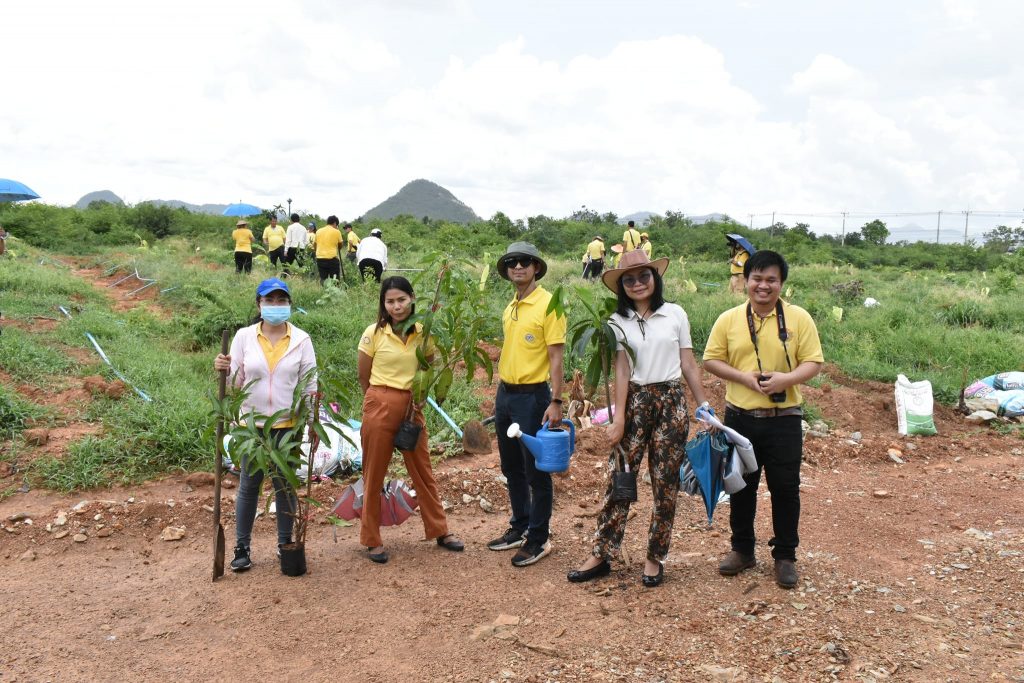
(275, 315)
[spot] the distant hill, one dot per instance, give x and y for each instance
(98, 196)
(641, 218)
(423, 198)
(212, 209)
(709, 218)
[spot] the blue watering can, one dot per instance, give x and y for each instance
(551, 448)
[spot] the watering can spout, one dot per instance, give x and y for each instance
(531, 442)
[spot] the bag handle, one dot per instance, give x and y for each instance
(620, 454)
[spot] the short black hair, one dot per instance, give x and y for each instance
(763, 260)
(295, 218)
(657, 298)
(332, 220)
(631, 224)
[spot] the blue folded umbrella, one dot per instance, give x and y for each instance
(706, 456)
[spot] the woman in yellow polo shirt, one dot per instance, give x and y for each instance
(243, 238)
(387, 365)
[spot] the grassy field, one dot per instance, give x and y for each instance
(929, 325)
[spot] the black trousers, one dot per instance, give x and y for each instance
(328, 267)
(372, 267)
(277, 255)
(292, 255)
(778, 445)
(243, 261)
(593, 269)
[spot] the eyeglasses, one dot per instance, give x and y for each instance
(521, 261)
(631, 280)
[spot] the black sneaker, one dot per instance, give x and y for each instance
(530, 553)
(508, 540)
(241, 561)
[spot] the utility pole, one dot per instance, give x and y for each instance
(938, 224)
(842, 240)
(751, 220)
(967, 215)
(771, 230)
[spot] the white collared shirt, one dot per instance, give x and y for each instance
(295, 237)
(656, 342)
(372, 247)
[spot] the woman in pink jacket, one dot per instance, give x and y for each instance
(277, 355)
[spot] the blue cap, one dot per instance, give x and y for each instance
(270, 285)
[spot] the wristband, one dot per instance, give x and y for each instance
(557, 400)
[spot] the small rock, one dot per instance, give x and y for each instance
(486, 506)
(507, 620)
(104, 532)
(899, 608)
(17, 517)
(80, 538)
(172, 533)
(446, 506)
(80, 505)
(197, 479)
(28, 556)
(36, 437)
(895, 455)
(62, 533)
(820, 427)
(959, 565)
(881, 493)
(228, 483)
(467, 499)
(60, 520)
(856, 436)
(978, 534)
(721, 674)
(501, 479)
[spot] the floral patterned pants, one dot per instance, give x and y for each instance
(657, 423)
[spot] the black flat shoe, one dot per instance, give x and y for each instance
(595, 572)
(654, 581)
(379, 558)
(450, 542)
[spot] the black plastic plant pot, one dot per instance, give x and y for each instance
(293, 559)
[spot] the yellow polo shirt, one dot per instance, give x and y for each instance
(630, 240)
(394, 361)
(327, 240)
(729, 341)
(647, 248)
(273, 353)
(737, 262)
(274, 237)
(353, 241)
(595, 250)
(243, 239)
(529, 331)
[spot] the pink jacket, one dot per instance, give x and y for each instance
(273, 390)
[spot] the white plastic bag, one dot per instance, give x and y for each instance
(914, 406)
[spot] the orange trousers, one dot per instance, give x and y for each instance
(384, 409)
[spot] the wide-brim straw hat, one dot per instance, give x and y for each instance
(522, 249)
(241, 222)
(632, 260)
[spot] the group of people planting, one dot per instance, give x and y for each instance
(288, 248)
(763, 349)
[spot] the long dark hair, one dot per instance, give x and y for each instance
(657, 299)
(394, 282)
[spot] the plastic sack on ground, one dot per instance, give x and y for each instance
(985, 394)
(1009, 381)
(914, 406)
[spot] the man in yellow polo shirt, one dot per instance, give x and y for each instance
(531, 353)
(763, 349)
(352, 242)
(243, 238)
(630, 238)
(326, 243)
(594, 258)
(273, 238)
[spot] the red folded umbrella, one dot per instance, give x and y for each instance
(350, 505)
(397, 501)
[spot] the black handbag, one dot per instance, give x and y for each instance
(623, 481)
(408, 432)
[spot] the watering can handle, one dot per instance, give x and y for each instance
(572, 433)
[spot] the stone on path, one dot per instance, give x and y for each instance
(28, 556)
(172, 533)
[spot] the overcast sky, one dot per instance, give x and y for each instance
(523, 107)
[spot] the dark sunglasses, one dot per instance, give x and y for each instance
(643, 278)
(522, 261)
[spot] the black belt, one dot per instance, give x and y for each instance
(766, 412)
(522, 388)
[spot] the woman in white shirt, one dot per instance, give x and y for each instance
(653, 417)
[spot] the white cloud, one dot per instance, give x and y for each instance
(829, 75)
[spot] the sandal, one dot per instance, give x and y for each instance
(450, 542)
(379, 558)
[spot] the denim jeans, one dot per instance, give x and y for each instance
(530, 492)
(778, 445)
(248, 499)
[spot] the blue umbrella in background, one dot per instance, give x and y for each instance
(703, 470)
(742, 241)
(242, 210)
(13, 191)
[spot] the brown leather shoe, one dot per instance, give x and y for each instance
(785, 574)
(735, 562)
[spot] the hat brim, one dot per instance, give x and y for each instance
(503, 271)
(611, 278)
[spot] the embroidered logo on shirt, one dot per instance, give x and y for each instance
(530, 338)
(366, 340)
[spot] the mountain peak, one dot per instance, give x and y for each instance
(422, 197)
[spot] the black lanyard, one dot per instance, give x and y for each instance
(780, 318)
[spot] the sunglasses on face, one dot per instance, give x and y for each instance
(631, 280)
(521, 261)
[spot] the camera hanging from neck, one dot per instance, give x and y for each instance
(780, 318)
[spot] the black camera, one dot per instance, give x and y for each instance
(778, 397)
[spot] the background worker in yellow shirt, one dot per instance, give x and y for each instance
(352, 242)
(630, 238)
(645, 244)
(531, 353)
(243, 238)
(327, 241)
(594, 258)
(739, 251)
(273, 239)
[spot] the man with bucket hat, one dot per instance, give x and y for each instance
(531, 354)
(594, 258)
(763, 349)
